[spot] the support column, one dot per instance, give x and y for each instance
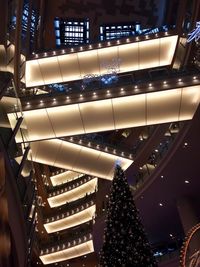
(5, 242)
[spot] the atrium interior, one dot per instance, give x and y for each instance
(86, 85)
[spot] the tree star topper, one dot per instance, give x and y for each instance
(195, 34)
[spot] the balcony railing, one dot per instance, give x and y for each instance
(57, 190)
(156, 156)
(69, 212)
(62, 245)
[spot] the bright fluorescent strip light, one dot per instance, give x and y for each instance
(73, 194)
(69, 253)
(132, 56)
(71, 221)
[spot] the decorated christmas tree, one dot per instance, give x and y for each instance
(125, 241)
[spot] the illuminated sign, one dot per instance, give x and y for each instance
(195, 34)
(195, 260)
(189, 258)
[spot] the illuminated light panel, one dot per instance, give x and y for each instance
(110, 114)
(69, 67)
(64, 177)
(73, 194)
(71, 221)
(6, 59)
(77, 158)
(69, 253)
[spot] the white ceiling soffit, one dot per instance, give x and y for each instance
(71, 221)
(7, 59)
(69, 67)
(64, 177)
(77, 158)
(110, 114)
(73, 194)
(69, 253)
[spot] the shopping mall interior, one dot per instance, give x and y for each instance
(86, 84)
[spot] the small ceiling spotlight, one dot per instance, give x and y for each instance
(54, 99)
(187, 182)
(122, 89)
(160, 204)
(28, 103)
(41, 101)
(150, 84)
(164, 82)
(180, 80)
(108, 92)
(194, 78)
(81, 95)
(94, 93)
(136, 87)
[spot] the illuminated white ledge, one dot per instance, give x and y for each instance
(64, 177)
(68, 187)
(71, 221)
(110, 114)
(66, 155)
(7, 62)
(73, 194)
(68, 67)
(66, 254)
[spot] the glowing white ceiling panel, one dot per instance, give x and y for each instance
(69, 68)
(134, 56)
(73, 194)
(190, 102)
(71, 221)
(110, 114)
(64, 177)
(68, 253)
(74, 157)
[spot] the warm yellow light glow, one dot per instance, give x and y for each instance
(71, 221)
(110, 114)
(74, 157)
(73, 194)
(64, 177)
(132, 56)
(69, 253)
